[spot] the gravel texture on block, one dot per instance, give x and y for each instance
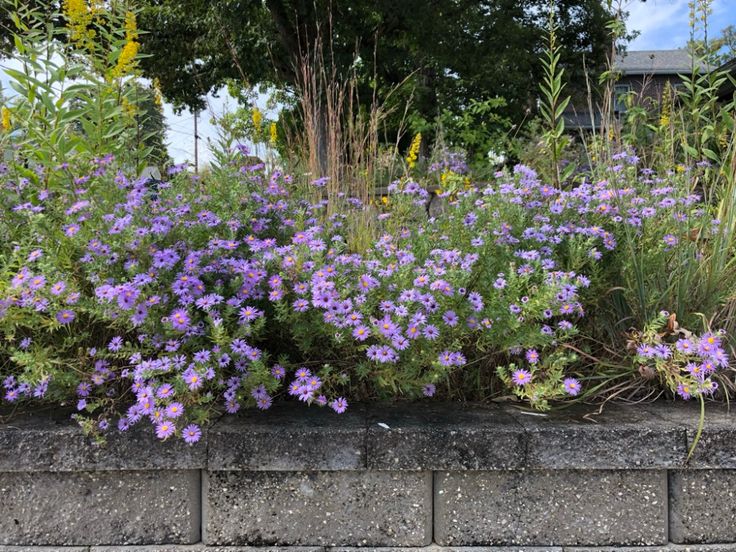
(444, 437)
(666, 548)
(86, 508)
(203, 548)
(318, 508)
(621, 437)
(289, 438)
(551, 508)
(436, 548)
(702, 506)
(51, 441)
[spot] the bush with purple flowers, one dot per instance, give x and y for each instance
(237, 292)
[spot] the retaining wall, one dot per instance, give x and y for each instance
(424, 475)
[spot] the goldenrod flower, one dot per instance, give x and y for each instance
(131, 29)
(157, 96)
(413, 155)
(79, 18)
(257, 118)
(273, 131)
(5, 119)
(126, 60)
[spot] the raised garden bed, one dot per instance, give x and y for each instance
(391, 476)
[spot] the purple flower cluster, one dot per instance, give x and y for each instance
(194, 300)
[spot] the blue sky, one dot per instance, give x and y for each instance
(664, 23)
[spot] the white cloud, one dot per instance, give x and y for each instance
(664, 24)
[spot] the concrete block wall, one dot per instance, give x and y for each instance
(435, 477)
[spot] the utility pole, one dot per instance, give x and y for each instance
(196, 140)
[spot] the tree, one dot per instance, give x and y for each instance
(455, 50)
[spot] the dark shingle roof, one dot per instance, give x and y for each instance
(654, 62)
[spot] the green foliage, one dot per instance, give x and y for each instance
(73, 94)
(553, 105)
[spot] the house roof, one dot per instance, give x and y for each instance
(654, 62)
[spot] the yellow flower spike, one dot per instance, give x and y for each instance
(411, 158)
(274, 135)
(158, 98)
(257, 118)
(5, 119)
(79, 18)
(126, 60)
(131, 28)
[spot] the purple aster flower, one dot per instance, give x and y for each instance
(174, 410)
(361, 333)
(684, 391)
(521, 377)
(165, 391)
(191, 434)
(165, 429)
(572, 386)
(192, 379)
(264, 403)
(65, 316)
(532, 356)
(684, 346)
(37, 282)
(116, 343)
(382, 353)
(450, 318)
(430, 332)
(278, 371)
(429, 389)
(339, 405)
(34, 255)
(58, 288)
(302, 374)
(180, 320)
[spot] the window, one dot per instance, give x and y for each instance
(619, 91)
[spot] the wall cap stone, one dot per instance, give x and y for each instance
(398, 436)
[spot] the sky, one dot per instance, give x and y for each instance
(663, 24)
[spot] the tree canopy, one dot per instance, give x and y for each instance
(453, 51)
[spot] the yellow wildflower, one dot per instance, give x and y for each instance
(384, 200)
(126, 60)
(5, 119)
(274, 134)
(131, 29)
(664, 116)
(79, 19)
(413, 155)
(257, 118)
(157, 96)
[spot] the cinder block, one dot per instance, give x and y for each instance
(348, 508)
(703, 506)
(551, 508)
(87, 508)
